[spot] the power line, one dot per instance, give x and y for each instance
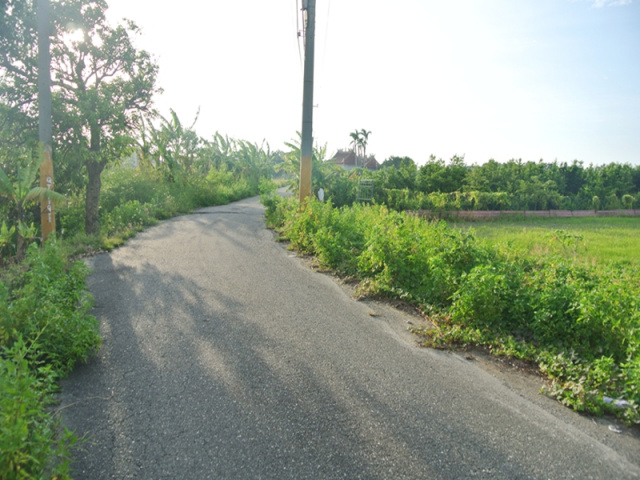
(298, 34)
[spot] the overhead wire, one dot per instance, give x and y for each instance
(298, 32)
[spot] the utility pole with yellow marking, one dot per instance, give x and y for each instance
(47, 214)
(306, 147)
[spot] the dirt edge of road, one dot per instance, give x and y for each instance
(521, 377)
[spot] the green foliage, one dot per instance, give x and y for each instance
(244, 160)
(339, 185)
(45, 328)
(70, 217)
(99, 81)
(277, 208)
(123, 184)
(580, 323)
(48, 304)
(131, 215)
(20, 193)
(6, 236)
(176, 147)
(420, 261)
(398, 174)
(337, 243)
(359, 142)
(435, 176)
(514, 185)
(133, 198)
(491, 299)
(31, 444)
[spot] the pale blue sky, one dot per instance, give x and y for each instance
(502, 79)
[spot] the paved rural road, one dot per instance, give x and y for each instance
(226, 357)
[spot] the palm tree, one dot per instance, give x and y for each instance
(364, 139)
(355, 142)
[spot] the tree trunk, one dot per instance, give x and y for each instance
(92, 199)
(94, 170)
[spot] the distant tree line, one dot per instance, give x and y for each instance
(514, 185)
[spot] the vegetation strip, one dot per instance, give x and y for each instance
(45, 328)
(579, 323)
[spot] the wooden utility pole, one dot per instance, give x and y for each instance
(306, 147)
(47, 214)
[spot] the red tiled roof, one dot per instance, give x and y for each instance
(348, 157)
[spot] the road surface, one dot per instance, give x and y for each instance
(226, 357)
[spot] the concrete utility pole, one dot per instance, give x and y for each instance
(306, 148)
(47, 214)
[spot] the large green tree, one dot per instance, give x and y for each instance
(100, 81)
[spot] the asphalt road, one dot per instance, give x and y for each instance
(226, 357)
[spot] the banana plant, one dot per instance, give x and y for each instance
(21, 193)
(176, 147)
(322, 173)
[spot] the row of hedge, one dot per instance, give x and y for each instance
(579, 324)
(404, 199)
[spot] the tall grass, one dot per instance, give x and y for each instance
(579, 323)
(45, 328)
(134, 198)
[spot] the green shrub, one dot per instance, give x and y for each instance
(612, 202)
(342, 189)
(31, 445)
(340, 240)
(48, 303)
(70, 217)
(628, 201)
(131, 215)
(422, 261)
(491, 298)
(45, 328)
(276, 208)
(7, 235)
(123, 184)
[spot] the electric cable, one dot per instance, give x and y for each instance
(298, 33)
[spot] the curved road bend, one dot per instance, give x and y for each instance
(225, 357)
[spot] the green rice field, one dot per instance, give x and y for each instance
(596, 240)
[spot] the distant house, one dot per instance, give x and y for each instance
(347, 160)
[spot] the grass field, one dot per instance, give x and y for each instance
(599, 241)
